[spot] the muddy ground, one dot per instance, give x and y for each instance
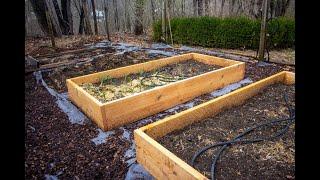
(264, 160)
(54, 146)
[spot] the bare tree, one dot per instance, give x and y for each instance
(87, 25)
(94, 17)
(221, 9)
(200, 8)
(116, 15)
(126, 15)
(67, 16)
(206, 7)
(138, 27)
(195, 7)
(106, 19)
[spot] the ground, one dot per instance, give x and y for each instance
(54, 146)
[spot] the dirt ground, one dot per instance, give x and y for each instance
(265, 160)
(55, 146)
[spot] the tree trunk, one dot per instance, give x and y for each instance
(195, 9)
(106, 7)
(49, 22)
(200, 8)
(138, 28)
(81, 23)
(164, 12)
(221, 9)
(87, 25)
(127, 17)
(61, 21)
(183, 13)
(152, 11)
(116, 15)
(231, 7)
(206, 7)
(170, 4)
(263, 31)
(94, 17)
(67, 16)
(39, 10)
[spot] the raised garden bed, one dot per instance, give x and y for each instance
(165, 147)
(98, 94)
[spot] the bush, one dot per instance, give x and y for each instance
(231, 33)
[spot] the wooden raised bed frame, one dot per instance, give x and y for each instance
(132, 108)
(163, 164)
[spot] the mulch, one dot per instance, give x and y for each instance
(265, 160)
(53, 144)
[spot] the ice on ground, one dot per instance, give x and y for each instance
(101, 138)
(136, 171)
(126, 134)
(74, 115)
(52, 177)
(159, 52)
(230, 87)
(160, 46)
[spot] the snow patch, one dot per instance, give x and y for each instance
(159, 52)
(136, 171)
(74, 115)
(101, 138)
(160, 46)
(230, 87)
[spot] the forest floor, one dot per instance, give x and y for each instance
(55, 147)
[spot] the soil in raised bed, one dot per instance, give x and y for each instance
(264, 160)
(109, 89)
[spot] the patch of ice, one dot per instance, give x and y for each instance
(101, 138)
(126, 134)
(130, 153)
(230, 87)
(160, 46)
(159, 52)
(75, 116)
(136, 171)
(52, 177)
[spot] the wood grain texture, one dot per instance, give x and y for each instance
(132, 108)
(149, 151)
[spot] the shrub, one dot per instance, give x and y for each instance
(236, 32)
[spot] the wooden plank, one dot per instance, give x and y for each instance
(159, 161)
(123, 71)
(210, 108)
(141, 105)
(151, 154)
(131, 108)
(89, 105)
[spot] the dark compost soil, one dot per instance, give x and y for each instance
(264, 160)
(109, 89)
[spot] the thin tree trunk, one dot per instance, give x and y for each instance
(138, 28)
(200, 8)
(94, 17)
(127, 17)
(87, 27)
(164, 12)
(221, 9)
(48, 18)
(39, 10)
(67, 15)
(116, 15)
(183, 13)
(60, 19)
(231, 7)
(263, 31)
(81, 23)
(152, 11)
(206, 7)
(195, 9)
(106, 20)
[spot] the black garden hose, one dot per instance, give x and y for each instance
(238, 140)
